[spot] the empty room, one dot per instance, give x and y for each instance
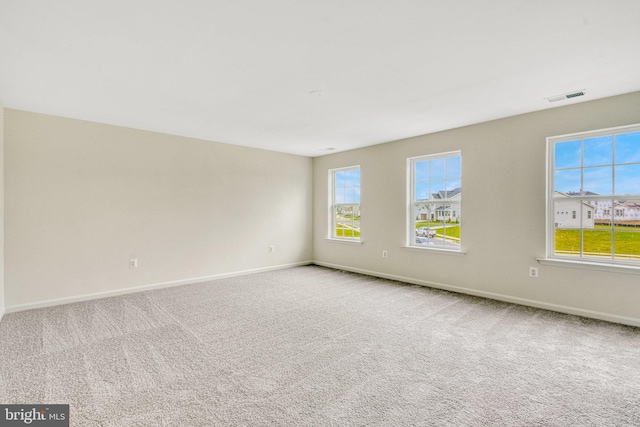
(390, 213)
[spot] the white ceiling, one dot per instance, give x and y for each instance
(245, 71)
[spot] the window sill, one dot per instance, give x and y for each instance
(434, 250)
(612, 268)
(348, 242)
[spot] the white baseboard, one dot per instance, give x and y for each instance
(124, 291)
(500, 297)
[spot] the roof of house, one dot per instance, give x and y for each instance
(570, 194)
(443, 194)
(633, 204)
(578, 193)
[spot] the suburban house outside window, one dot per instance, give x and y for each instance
(435, 199)
(596, 176)
(345, 203)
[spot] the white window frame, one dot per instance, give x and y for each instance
(582, 260)
(333, 206)
(456, 247)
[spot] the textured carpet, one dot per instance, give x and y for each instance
(315, 346)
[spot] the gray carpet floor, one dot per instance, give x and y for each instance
(311, 346)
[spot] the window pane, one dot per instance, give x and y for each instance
(339, 221)
(422, 190)
(456, 214)
(439, 211)
(603, 212)
(437, 190)
(598, 180)
(628, 179)
(587, 213)
(451, 232)
(355, 221)
(567, 181)
(424, 214)
(339, 195)
(569, 218)
(626, 213)
(628, 148)
(350, 195)
(627, 240)
(419, 212)
(596, 243)
(422, 170)
(598, 151)
(453, 167)
(452, 186)
(424, 220)
(352, 177)
(339, 179)
(566, 242)
(437, 169)
(563, 213)
(568, 154)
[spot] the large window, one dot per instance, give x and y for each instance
(594, 196)
(345, 203)
(435, 205)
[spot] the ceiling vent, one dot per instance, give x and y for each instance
(564, 96)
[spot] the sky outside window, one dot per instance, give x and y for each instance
(589, 165)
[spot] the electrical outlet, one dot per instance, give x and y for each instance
(272, 249)
(533, 272)
(384, 254)
(133, 263)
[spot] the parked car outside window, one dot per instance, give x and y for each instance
(425, 232)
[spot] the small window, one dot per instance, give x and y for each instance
(594, 175)
(435, 201)
(345, 203)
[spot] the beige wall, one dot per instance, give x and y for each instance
(2, 309)
(503, 167)
(83, 198)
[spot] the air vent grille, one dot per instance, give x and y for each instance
(564, 96)
(573, 95)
